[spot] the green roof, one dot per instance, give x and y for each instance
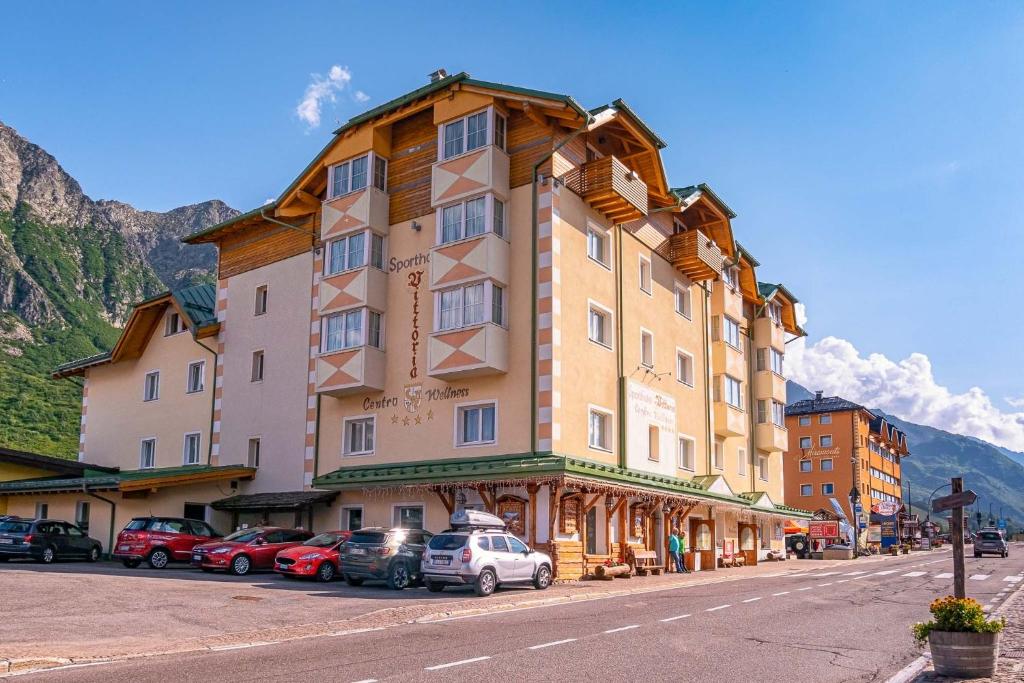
(690, 190)
(746, 254)
(106, 481)
(767, 290)
(82, 362)
(240, 217)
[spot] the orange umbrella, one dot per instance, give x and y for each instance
(794, 527)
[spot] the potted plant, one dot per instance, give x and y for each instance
(963, 641)
(894, 550)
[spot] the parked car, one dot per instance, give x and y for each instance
(247, 549)
(161, 540)
(46, 540)
(479, 551)
(988, 542)
(319, 557)
(799, 545)
(382, 554)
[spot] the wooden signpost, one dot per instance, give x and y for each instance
(956, 502)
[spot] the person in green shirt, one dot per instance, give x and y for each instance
(675, 545)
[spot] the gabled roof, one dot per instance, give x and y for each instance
(825, 404)
(684, 193)
(47, 462)
(768, 290)
(620, 105)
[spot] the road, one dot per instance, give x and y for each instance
(848, 623)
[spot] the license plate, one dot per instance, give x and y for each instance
(7, 541)
(441, 559)
(197, 558)
(358, 551)
(282, 567)
(123, 548)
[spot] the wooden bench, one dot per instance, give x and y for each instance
(645, 561)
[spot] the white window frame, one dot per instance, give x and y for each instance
(142, 441)
(718, 454)
(653, 443)
(202, 377)
(351, 419)
(249, 460)
(490, 201)
(608, 326)
(604, 237)
(646, 334)
(777, 361)
(487, 303)
(762, 468)
(693, 368)
(492, 114)
(741, 461)
(609, 428)
(809, 488)
(368, 238)
(810, 465)
(829, 493)
(821, 441)
(199, 448)
(810, 442)
(774, 312)
(345, 510)
(649, 289)
(731, 277)
(683, 294)
(804, 420)
(364, 330)
(831, 465)
(728, 323)
(411, 504)
(778, 414)
(693, 452)
(371, 158)
(178, 328)
(261, 299)
(825, 419)
(252, 366)
(145, 387)
(727, 382)
(460, 408)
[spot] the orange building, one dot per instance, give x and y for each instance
(836, 446)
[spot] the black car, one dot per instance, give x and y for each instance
(382, 554)
(799, 545)
(46, 540)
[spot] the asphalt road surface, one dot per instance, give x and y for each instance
(848, 623)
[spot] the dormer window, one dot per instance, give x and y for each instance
(472, 132)
(470, 218)
(174, 324)
(731, 276)
(775, 312)
(353, 175)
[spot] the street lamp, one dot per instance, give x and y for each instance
(932, 495)
(854, 500)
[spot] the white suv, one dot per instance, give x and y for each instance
(478, 551)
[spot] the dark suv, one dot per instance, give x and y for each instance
(381, 554)
(160, 540)
(46, 540)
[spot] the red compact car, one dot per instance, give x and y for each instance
(247, 549)
(159, 540)
(319, 557)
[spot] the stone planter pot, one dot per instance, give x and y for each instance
(964, 655)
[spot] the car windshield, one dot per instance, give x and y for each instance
(367, 537)
(991, 537)
(16, 527)
(244, 535)
(447, 542)
(323, 540)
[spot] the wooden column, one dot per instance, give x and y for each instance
(956, 530)
(531, 490)
(447, 499)
(554, 495)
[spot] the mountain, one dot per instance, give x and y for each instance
(995, 473)
(70, 269)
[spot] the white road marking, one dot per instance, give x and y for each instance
(458, 663)
(805, 588)
(775, 595)
(551, 644)
(944, 575)
(1012, 579)
(751, 599)
(367, 680)
(842, 580)
(822, 585)
(915, 573)
(979, 577)
(681, 616)
(887, 571)
(715, 609)
(622, 628)
(242, 646)
(826, 574)
(854, 573)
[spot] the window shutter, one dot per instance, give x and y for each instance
(762, 360)
(718, 388)
(716, 328)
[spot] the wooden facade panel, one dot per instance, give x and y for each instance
(413, 150)
(255, 248)
(528, 142)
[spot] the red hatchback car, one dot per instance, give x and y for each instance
(319, 557)
(160, 540)
(247, 549)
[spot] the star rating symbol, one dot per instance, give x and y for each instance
(394, 419)
(419, 420)
(405, 421)
(430, 415)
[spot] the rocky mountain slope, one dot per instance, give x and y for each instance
(70, 269)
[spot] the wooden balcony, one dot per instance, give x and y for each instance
(610, 187)
(695, 255)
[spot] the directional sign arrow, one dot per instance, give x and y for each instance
(957, 500)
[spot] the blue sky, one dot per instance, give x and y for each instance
(872, 151)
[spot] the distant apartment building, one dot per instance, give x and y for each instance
(476, 296)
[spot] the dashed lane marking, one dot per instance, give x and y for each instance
(367, 680)
(437, 667)
(884, 573)
(775, 595)
(751, 599)
(944, 575)
(979, 577)
(681, 616)
(1012, 579)
(622, 628)
(854, 573)
(805, 588)
(715, 609)
(822, 585)
(842, 580)
(915, 573)
(551, 644)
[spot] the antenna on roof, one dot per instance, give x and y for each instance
(438, 75)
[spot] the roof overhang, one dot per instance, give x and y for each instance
(130, 481)
(287, 500)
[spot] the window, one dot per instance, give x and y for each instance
(454, 138)
(741, 461)
(653, 443)
(475, 424)
(255, 444)
(599, 326)
(497, 305)
(778, 414)
(345, 330)
(380, 173)
(190, 451)
(42, 510)
(261, 300)
(359, 435)
(462, 306)
(806, 466)
(805, 420)
(805, 442)
(476, 131)
(349, 176)
(731, 392)
(718, 455)
(377, 251)
(684, 304)
(597, 246)
(470, 218)
(825, 441)
(776, 361)
(647, 348)
(731, 276)
(408, 516)
(687, 453)
(174, 324)
(762, 411)
(805, 489)
(762, 468)
(151, 392)
(82, 515)
(196, 371)
(373, 334)
(147, 454)
(471, 132)
(499, 544)
(827, 489)
(825, 419)
(499, 131)
(499, 217)
(775, 312)
(731, 332)
(599, 430)
(826, 464)
(684, 368)
(352, 519)
(645, 275)
(347, 253)
(257, 367)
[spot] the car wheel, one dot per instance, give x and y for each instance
(353, 581)
(543, 578)
(158, 559)
(241, 565)
(131, 564)
(94, 554)
(485, 583)
(48, 556)
(398, 576)
(326, 572)
(433, 586)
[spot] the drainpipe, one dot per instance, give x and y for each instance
(213, 399)
(619, 357)
(263, 214)
(535, 237)
(707, 375)
(752, 439)
(113, 515)
(316, 440)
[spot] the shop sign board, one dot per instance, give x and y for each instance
(823, 529)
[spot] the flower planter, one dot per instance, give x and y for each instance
(964, 655)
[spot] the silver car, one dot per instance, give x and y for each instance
(484, 558)
(990, 542)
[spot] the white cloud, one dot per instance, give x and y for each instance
(321, 89)
(360, 96)
(1017, 403)
(904, 388)
(268, 200)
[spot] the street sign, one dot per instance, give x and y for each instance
(823, 529)
(858, 508)
(863, 525)
(1002, 524)
(887, 508)
(956, 500)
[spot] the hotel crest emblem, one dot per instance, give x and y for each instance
(413, 397)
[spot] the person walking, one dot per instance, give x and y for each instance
(682, 551)
(673, 550)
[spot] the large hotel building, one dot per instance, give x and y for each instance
(476, 295)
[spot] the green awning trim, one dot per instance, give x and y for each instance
(96, 481)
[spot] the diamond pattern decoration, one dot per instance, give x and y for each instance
(339, 369)
(344, 290)
(459, 261)
(462, 176)
(455, 349)
(345, 213)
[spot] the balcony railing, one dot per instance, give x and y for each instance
(611, 187)
(695, 255)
